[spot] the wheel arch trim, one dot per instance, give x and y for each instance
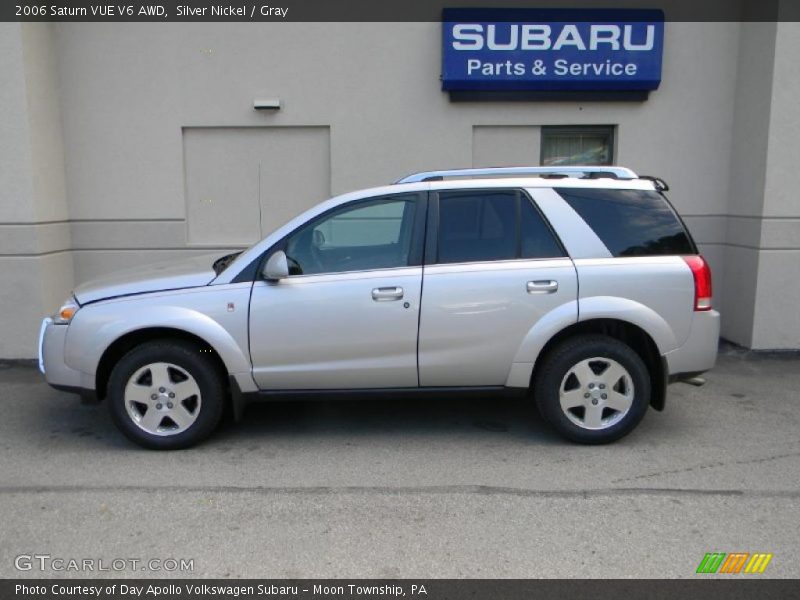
(606, 308)
(635, 313)
(91, 337)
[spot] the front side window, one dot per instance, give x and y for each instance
(374, 234)
(489, 225)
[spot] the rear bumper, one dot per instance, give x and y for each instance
(52, 339)
(699, 352)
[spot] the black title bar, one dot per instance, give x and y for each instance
(733, 588)
(367, 10)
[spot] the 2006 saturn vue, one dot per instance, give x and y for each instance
(577, 287)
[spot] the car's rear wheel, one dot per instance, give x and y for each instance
(166, 395)
(592, 389)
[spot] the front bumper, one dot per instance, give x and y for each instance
(52, 363)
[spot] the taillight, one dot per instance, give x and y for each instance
(702, 281)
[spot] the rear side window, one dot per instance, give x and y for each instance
(492, 225)
(631, 222)
(536, 239)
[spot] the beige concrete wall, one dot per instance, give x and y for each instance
(35, 263)
(745, 187)
(125, 94)
(763, 226)
(243, 182)
(777, 319)
(506, 145)
(130, 89)
(16, 203)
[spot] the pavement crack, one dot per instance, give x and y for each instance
(710, 465)
(401, 490)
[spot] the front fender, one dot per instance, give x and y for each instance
(96, 326)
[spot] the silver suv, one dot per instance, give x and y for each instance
(577, 286)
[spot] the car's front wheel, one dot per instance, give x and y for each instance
(166, 395)
(592, 389)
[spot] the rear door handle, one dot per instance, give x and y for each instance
(542, 286)
(386, 294)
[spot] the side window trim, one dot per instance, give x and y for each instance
(417, 249)
(432, 234)
(432, 230)
(518, 224)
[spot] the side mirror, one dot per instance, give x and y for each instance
(276, 267)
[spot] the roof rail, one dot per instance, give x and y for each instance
(659, 183)
(590, 172)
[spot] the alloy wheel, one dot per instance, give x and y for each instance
(162, 399)
(596, 393)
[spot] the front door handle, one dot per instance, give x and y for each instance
(386, 294)
(542, 286)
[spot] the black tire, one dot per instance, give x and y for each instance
(557, 365)
(187, 357)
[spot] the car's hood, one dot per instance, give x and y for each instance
(176, 274)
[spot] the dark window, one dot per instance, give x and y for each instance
(537, 239)
(482, 226)
(375, 234)
(477, 226)
(631, 222)
(584, 145)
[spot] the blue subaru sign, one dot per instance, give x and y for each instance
(552, 49)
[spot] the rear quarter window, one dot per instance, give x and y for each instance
(631, 222)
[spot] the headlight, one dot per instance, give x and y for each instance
(66, 312)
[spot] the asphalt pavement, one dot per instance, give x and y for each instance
(407, 489)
